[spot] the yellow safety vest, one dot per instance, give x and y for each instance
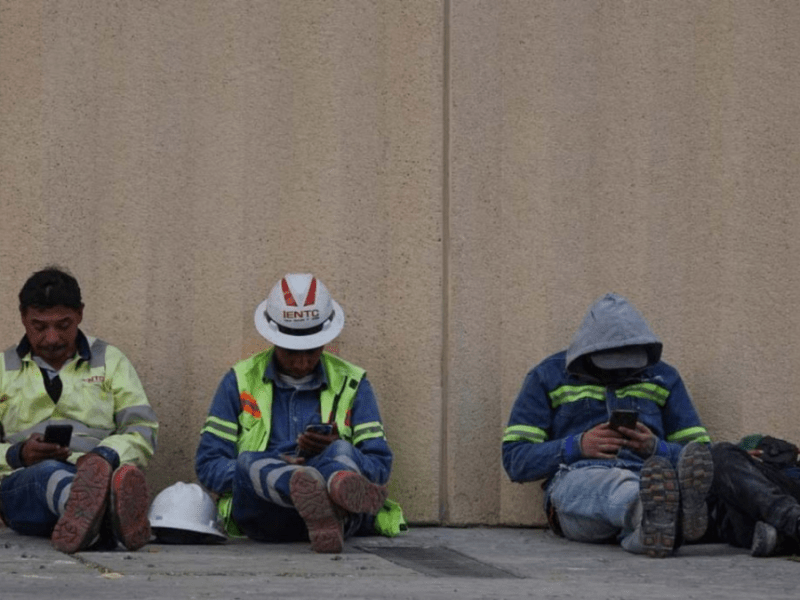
(255, 417)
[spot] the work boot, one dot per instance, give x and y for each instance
(355, 493)
(695, 473)
(129, 503)
(765, 540)
(658, 492)
(325, 522)
(83, 514)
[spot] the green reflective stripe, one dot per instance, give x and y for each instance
(690, 434)
(367, 431)
(224, 429)
(367, 425)
(647, 391)
(524, 433)
(573, 393)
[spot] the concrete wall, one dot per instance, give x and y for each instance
(466, 177)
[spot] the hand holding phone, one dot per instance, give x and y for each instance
(315, 438)
(53, 445)
(623, 418)
(60, 434)
(321, 428)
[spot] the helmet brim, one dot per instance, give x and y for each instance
(180, 525)
(299, 342)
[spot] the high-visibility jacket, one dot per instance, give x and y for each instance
(102, 398)
(252, 431)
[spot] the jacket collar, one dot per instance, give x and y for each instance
(84, 350)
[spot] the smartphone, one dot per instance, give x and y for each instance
(323, 428)
(58, 434)
(623, 418)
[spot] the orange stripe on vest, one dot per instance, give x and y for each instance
(249, 405)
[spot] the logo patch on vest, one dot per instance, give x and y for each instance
(95, 379)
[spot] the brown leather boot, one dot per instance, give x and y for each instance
(79, 526)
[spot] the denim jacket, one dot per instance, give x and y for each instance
(561, 398)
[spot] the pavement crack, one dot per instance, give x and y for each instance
(105, 571)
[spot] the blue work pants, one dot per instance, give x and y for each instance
(32, 499)
(262, 505)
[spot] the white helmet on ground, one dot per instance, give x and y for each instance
(299, 313)
(184, 513)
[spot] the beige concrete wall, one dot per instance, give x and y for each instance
(465, 176)
(179, 157)
(647, 148)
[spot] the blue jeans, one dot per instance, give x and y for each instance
(598, 503)
(262, 506)
(33, 498)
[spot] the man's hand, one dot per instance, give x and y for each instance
(293, 460)
(641, 440)
(35, 450)
(311, 443)
(601, 442)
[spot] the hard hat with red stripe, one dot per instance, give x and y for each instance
(299, 313)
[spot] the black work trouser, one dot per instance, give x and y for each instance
(745, 491)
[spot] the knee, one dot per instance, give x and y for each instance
(48, 466)
(242, 472)
(725, 451)
(341, 448)
(245, 461)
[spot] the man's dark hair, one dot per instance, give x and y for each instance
(48, 288)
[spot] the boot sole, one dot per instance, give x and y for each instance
(356, 494)
(660, 496)
(130, 500)
(695, 473)
(310, 498)
(83, 514)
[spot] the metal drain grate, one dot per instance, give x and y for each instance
(438, 562)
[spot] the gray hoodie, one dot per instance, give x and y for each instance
(611, 323)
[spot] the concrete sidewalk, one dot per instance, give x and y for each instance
(434, 562)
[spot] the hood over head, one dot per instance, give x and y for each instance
(612, 323)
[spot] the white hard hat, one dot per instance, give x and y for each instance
(299, 313)
(185, 513)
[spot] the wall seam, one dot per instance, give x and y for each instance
(444, 467)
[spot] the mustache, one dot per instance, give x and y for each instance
(54, 347)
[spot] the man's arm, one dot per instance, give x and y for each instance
(136, 425)
(374, 456)
(681, 422)
(215, 460)
(528, 452)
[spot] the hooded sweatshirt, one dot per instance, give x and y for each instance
(566, 394)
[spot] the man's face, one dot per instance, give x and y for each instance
(297, 363)
(52, 332)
